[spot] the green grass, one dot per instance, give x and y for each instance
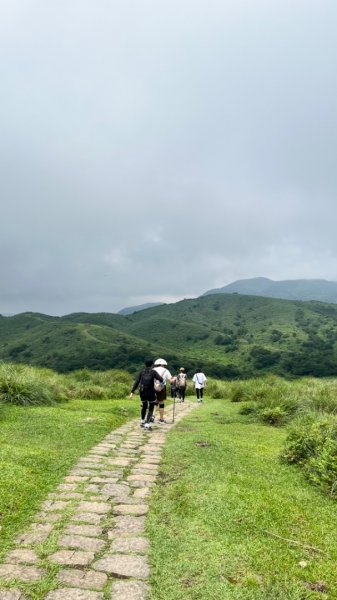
(39, 445)
(223, 496)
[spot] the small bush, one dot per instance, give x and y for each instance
(238, 393)
(312, 444)
(248, 409)
(273, 415)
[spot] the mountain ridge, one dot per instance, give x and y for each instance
(321, 290)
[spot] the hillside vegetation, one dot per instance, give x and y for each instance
(229, 336)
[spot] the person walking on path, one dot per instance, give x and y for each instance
(160, 366)
(145, 381)
(181, 384)
(199, 380)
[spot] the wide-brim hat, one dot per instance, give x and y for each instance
(160, 362)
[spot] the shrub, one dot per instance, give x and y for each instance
(248, 409)
(273, 415)
(238, 393)
(312, 444)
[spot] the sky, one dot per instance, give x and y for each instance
(151, 151)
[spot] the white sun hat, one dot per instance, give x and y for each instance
(160, 362)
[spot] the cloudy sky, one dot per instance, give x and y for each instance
(151, 150)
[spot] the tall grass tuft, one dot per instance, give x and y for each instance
(24, 386)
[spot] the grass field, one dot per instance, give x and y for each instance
(229, 520)
(39, 445)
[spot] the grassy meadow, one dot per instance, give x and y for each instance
(245, 504)
(230, 519)
(47, 422)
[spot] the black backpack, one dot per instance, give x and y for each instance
(146, 379)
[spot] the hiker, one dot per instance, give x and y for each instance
(160, 388)
(199, 380)
(145, 381)
(181, 384)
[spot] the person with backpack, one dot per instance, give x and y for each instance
(145, 381)
(181, 384)
(160, 366)
(199, 379)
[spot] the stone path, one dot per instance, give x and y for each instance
(92, 526)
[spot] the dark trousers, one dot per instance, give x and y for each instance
(181, 393)
(147, 406)
(200, 393)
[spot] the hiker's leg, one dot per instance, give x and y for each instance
(201, 393)
(150, 411)
(144, 409)
(182, 394)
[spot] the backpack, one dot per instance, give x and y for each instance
(146, 379)
(181, 380)
(158, 386)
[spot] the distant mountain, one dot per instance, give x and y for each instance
(292, 289)
(129, 310)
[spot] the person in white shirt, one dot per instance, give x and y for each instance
(199, 379)
(160, 366)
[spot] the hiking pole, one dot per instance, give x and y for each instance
(174, 408)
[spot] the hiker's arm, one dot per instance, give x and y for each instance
(157, 376)
(135, 385)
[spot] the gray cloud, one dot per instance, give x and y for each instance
(153, 150)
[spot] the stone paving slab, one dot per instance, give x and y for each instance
(11, 595)
(131, 509)
(67, 487)
(87, 530)
(123, 565)
(130, 590)
(128, 525)
(50, 505)
(104, 480)
(140, 477)
(38, 533)
(74, 594)
(70, 557)
(142, 492)
(88, 580)
(99, 508)
(130, 544)
(91, 518)
(121, 462)
(49, 517)
(22, 557)
(21, 572)
(81, 542)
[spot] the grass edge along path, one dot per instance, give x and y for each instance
(223, 504)
(38, 446)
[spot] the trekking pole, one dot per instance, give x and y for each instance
(174, 408)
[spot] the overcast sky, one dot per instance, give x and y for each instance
(151, 150)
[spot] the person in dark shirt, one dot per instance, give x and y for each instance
(145, 382)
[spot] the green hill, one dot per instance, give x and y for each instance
(228, 335)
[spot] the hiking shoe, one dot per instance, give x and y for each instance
(142, 423)
(162, 421)
(152, 420)
(148, 427)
